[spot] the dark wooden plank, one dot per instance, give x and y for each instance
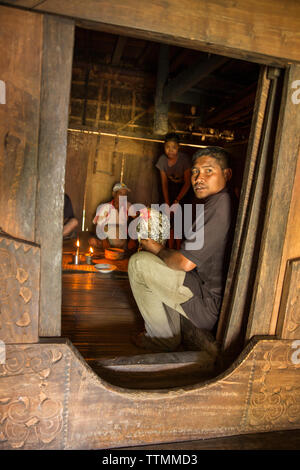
(118, 51)
(222, 28)
(191, 76)
(291, 249)
(76, 172)
(56, 73)
(161, 105)
(231, 317)
(24, 3)
(146, 377)
(20, 64)
(99, 315)
(285, 159)
(242, 102)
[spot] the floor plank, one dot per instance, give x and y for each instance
(99, 315)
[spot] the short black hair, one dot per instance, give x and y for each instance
(172, 136)
(218, 153)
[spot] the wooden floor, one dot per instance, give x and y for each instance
(99, 314)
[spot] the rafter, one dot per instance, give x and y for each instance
(190, 77)
(117, 54)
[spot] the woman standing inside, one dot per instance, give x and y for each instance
(175, 174)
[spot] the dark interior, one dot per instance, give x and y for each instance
(120, 86)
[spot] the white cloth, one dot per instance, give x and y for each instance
(111, 222)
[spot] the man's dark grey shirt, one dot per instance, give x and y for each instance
(207, 280)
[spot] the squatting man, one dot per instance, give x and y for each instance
(167, 283)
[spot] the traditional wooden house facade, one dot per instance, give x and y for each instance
(49, 396)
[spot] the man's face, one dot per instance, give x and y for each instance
(122, 192)
(208, 177)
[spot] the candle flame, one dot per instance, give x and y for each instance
(91, 250)
(78, 243)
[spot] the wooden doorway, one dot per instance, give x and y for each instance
(107, 415)
(253, 185)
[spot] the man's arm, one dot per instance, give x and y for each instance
(70, 226)
(186, 185)
(165, 186)
(173, 259)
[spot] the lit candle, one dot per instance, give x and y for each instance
(76, 257)
(89, 255)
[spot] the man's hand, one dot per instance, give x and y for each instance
(173, 258)
(151, 245)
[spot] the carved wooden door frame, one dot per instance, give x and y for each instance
(57, 55)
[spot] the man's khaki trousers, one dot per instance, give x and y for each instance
(159, 293)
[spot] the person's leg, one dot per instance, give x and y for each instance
(69, 227)
(117, 236)
(159, 293)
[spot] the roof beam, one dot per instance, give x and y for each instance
(243, 100)
(178, 60)
(117, 54)
(161, 107)
(190, 77)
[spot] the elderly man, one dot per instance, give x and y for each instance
(168, 283)
(111, 220)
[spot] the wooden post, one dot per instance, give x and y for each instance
(56, 82)
(161, 106)
(20, 66)
(231, 318)
(282, 180)
(288, 326)
(247, 260)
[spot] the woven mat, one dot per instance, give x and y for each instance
(79, 268)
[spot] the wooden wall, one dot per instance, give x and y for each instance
(96, 162)
(78, 151)
(35, 61)
(286, 312)
(20, 65)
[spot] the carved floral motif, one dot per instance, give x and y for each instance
(18, 361)
(37, 419)
(275, 396)
(27, 420)
(18, 291)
